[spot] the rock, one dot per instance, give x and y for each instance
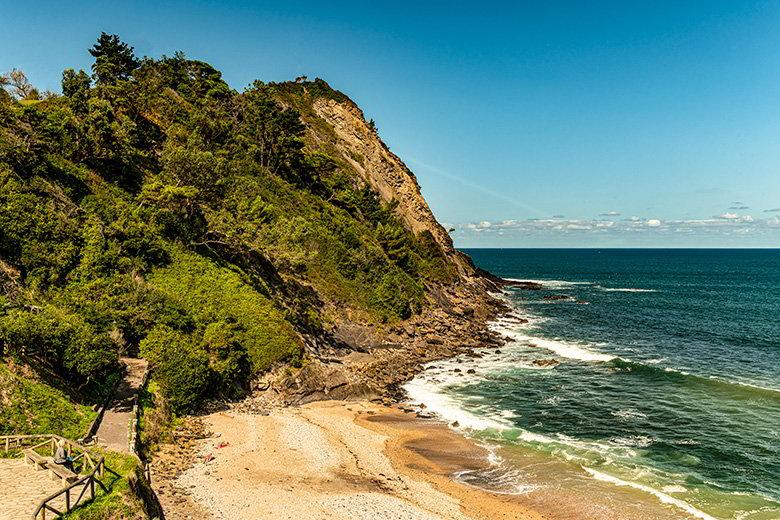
(262, 385)
(455, 424)
(545, 362)
(471, 371)
(556, 297)
(528, 286)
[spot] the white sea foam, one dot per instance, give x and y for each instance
(624, 289)
(562, 348)
(628, 413)
(637, 441)
(429, 388)
(551, 284)
(663, 497)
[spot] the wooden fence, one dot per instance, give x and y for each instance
(90, 463)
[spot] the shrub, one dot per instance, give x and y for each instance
(180, 366)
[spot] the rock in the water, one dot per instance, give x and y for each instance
(545, 362)
(528, 286)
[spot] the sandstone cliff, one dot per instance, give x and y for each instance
(347, 134)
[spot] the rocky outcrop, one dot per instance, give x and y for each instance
(362, 149)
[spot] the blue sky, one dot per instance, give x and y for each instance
(528, 124)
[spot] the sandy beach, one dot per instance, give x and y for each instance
(334, 460)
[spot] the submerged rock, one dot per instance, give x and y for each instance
(545, 362)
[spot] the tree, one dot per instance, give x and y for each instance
(114, 59)
(273, 134)
(74, 83)
(17, 83)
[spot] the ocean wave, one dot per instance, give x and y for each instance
(430, 393)
(654, 371)
(516, 331)
(625, 289)
(552, 285)
(499, 477)
(663, 497)
(561, 348)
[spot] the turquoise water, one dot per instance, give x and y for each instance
(668, 374)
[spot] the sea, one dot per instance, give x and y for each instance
(635, 383)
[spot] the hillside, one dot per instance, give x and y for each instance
(153, 210)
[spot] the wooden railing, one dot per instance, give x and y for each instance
(93, 465)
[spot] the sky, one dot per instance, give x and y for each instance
(527, 124)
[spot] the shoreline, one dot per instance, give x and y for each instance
(332, 459)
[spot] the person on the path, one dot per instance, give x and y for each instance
(61, 456)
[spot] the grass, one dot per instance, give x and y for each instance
(29, 406)
(121, 502)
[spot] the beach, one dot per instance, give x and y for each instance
(334, 459)
(538, 423)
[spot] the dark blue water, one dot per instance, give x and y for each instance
(668, 374)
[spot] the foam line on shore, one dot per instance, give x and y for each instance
(663, 497)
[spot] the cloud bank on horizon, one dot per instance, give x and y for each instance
(728, 229)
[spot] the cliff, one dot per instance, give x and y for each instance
(152, 210)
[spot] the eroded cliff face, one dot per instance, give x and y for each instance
(359, 146)
(382, 169)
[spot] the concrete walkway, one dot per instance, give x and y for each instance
(114, 429)
(22, 488)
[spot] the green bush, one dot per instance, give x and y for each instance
(217, 294)
(181, 367)
(61, 336)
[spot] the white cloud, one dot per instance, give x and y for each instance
(726, 224)
(734, 217)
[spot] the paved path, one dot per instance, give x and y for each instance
(113, 432)
(22, 488)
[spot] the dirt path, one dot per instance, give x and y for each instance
(113, 432)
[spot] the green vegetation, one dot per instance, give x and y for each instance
(152, 209)
(122, 501)
(31, 406)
